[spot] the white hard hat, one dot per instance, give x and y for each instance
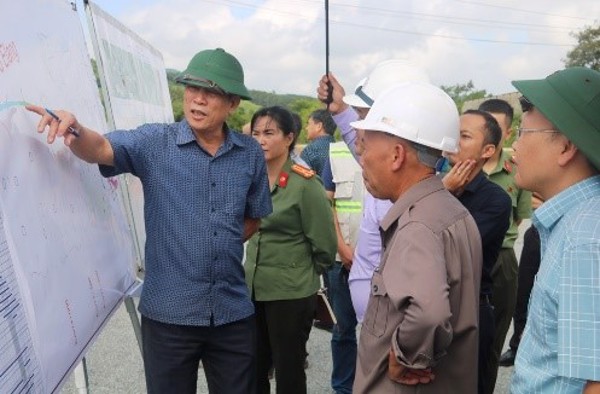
(415, 111)
(384, 75)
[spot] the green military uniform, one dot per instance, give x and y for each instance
(296, 243)
(284, 260)
(504, 273)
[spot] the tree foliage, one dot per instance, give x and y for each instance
(242, 115)
(464, 92)
(176, 93)
(587, 51)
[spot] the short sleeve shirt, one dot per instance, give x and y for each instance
(316, 153)
(194, 210)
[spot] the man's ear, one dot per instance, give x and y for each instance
(568, 151)
(399, 156)
(234, 103)
(488, 151)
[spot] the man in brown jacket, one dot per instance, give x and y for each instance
(420, 328)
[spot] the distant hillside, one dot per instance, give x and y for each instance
(267, 99)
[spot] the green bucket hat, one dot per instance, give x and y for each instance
(215, 68)
(570, 99)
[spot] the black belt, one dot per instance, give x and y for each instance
(484, 299)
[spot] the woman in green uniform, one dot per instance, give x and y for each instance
(284, 259)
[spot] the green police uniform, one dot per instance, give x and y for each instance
(284, 260)
(294, 244)
(504, 175)
(504, 273)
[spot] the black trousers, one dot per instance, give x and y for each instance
(172, 354)
(529, 264)
(504, 299)
(281, 343)
(487, 330)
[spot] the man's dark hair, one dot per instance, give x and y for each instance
(498, 106)
(525, 104)
(324, 117)
(492, 130)
(281, 116)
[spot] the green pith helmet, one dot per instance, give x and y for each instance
(215, 68)
(570, 99)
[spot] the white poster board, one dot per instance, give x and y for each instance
(65, 245)
(136, 91)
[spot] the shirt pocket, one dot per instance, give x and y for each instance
(376, 317)
(236, 195)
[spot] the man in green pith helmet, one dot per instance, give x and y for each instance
(558, 157)
(205, 190)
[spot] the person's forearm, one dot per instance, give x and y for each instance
(85, 143)
(343, 120)
(592, 387)
(251, 226)
(92, 147)
(344, 250)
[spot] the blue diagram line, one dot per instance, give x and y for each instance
(9, 104)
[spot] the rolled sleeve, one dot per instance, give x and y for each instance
(130, 148)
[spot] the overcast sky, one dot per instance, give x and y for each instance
(281, 43)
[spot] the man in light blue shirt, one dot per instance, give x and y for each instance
(558, 156)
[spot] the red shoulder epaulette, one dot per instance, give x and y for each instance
(303, 171)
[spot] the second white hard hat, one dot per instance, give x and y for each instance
(384, 75)
(415, 111)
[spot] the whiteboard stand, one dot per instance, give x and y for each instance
(135, 291)
(80, 372)
(81, 377)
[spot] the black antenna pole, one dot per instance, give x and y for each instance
(329, 86)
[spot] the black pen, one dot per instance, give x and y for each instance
(70, 129)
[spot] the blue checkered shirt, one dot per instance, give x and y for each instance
(316, 153)
(194, 210)
(560, 349)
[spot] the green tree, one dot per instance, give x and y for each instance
(242, 115)
(176, 92)
(587, 51)
(464, 92)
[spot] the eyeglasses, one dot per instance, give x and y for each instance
(522, 131)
